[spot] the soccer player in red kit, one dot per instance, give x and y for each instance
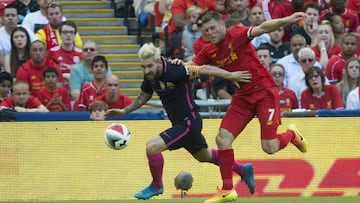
(231, 49)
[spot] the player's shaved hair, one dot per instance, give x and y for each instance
(148, 50)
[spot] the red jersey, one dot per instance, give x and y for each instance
(334, 69)
(288, 100)
(199, 44)
(349, 18)
(180, 6)
(32, 75)
(334, 50)
(64, 58)
(120, 103)
(31, 103)
(88, 93)
(354, 5)
(45, 95)
(330, 99)
(237, 55)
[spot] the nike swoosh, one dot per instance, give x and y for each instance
(226, 194)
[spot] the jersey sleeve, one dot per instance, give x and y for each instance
(147, 87)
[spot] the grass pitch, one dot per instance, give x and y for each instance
(241, 200)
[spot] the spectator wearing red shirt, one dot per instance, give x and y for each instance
(96, 87)
(179, 20)
(318, 95)
(325, 46)
(21, 100)
(112, 96)
(53, 97)
(32, 70)
(335, 68)
(349, 17)
(288, 99)
(66, 54)
(354, 5)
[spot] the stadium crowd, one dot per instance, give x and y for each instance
(315, 63)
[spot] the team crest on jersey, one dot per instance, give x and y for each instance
(170, 85)
(76, 59)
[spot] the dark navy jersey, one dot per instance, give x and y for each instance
(174, 89)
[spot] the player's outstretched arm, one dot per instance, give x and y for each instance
(274, 24)
(140, 100)
(235, 77)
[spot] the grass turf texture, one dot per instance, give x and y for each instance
(241, 200)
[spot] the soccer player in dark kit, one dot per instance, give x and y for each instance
(172, 83)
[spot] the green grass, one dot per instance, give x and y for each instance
(241, 200)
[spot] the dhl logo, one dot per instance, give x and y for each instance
(297, 177)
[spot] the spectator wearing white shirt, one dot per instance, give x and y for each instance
(353, 99)
(37, 20)
(297, 82)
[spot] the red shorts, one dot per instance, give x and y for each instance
(265, 104)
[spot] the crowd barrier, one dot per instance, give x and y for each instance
(85, 116)
(70, 161)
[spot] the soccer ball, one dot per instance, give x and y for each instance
(117, 136)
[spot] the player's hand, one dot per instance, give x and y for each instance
(295, 17)
(176, 61)
(240, 76)
(115, 112)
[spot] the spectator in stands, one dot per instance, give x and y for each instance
(354, 5)
(277, 48)
(310, 25)
(297, 82)
(6, 81)
(263, 53)
(10, 22)
(337, 26)
(50, 33)
(178, 21)
(66, 54)
(191, 32)
(349, 17)
(143, 9)
(351, 78)
(318, 95)
(222, 88)
(24, 7)
(81, 72)
(21, 100)
(98, 110)
(112, 96)
(288, 100)
(20, 50)
(37, 20)
(96, 87)
(335, 68)
(53, 97)
(32, 70)
(239, 12)
(324, 45)
(353, 99)
(291, 61)
(256, 17)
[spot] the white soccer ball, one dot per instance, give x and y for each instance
(117, 136)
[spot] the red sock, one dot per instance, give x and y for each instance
(226, 162)
(285, 138)
(156, 165)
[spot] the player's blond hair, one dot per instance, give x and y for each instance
(148, 50)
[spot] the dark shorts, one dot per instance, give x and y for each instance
(186, 134)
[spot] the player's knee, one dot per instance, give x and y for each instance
(270, 146)
(223, 142)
